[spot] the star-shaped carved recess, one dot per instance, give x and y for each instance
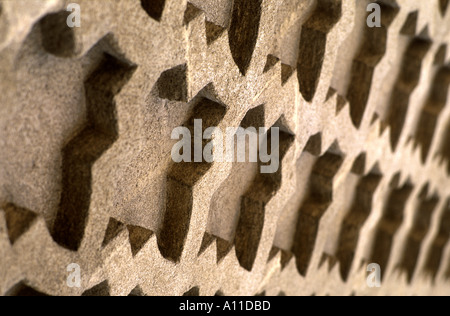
(84, 149)
(96, 136)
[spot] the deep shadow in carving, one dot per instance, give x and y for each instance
(57, 37)
(270, 62)
(447, 272)
(285, 256)
(101, 289)
(421, 227)
(223, 247)
(287, 220)
(213, 32)
(354, 221)
(226, 202)
(372, 50)
(172, 85)
(80, 154)
(243, 33)
(405, 85)
(313, 43)
(18, 221)
(445, 146)
(113, 229)
(319, 198)
(437, 247)
(441, 55)
(195, 291)
(433, 107)
(21, 289)
(138, 237)
(137, 291)
(254, 201)
(286, 73)
(443, 5)
(181, 180)
(154, 8)
(390, 222)
(191, 13)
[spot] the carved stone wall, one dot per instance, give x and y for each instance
(87, 177)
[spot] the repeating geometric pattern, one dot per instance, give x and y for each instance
(86, 174)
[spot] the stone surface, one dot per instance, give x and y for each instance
(86, 174)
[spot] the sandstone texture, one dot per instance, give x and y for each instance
(87, 178)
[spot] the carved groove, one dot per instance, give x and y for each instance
(445, 147)
(430, 113)
(181, 179)
(191, 13)
(18, 221)
(319, 198)
(406, 84)
(21, 289)
(213, 32)
(392, 218)
(137, 291)
(112, 231)
(101, 181)
(420, 228)
(101, 289)
(195, 291)
(226, 202)
(443, 5)
(372, 50)
(243, 32)
(138, 238)
(57, 37)
(154, 8)
(80, 154)
(355, 220)
(436, 251)
(253, 204)
(313, 44)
